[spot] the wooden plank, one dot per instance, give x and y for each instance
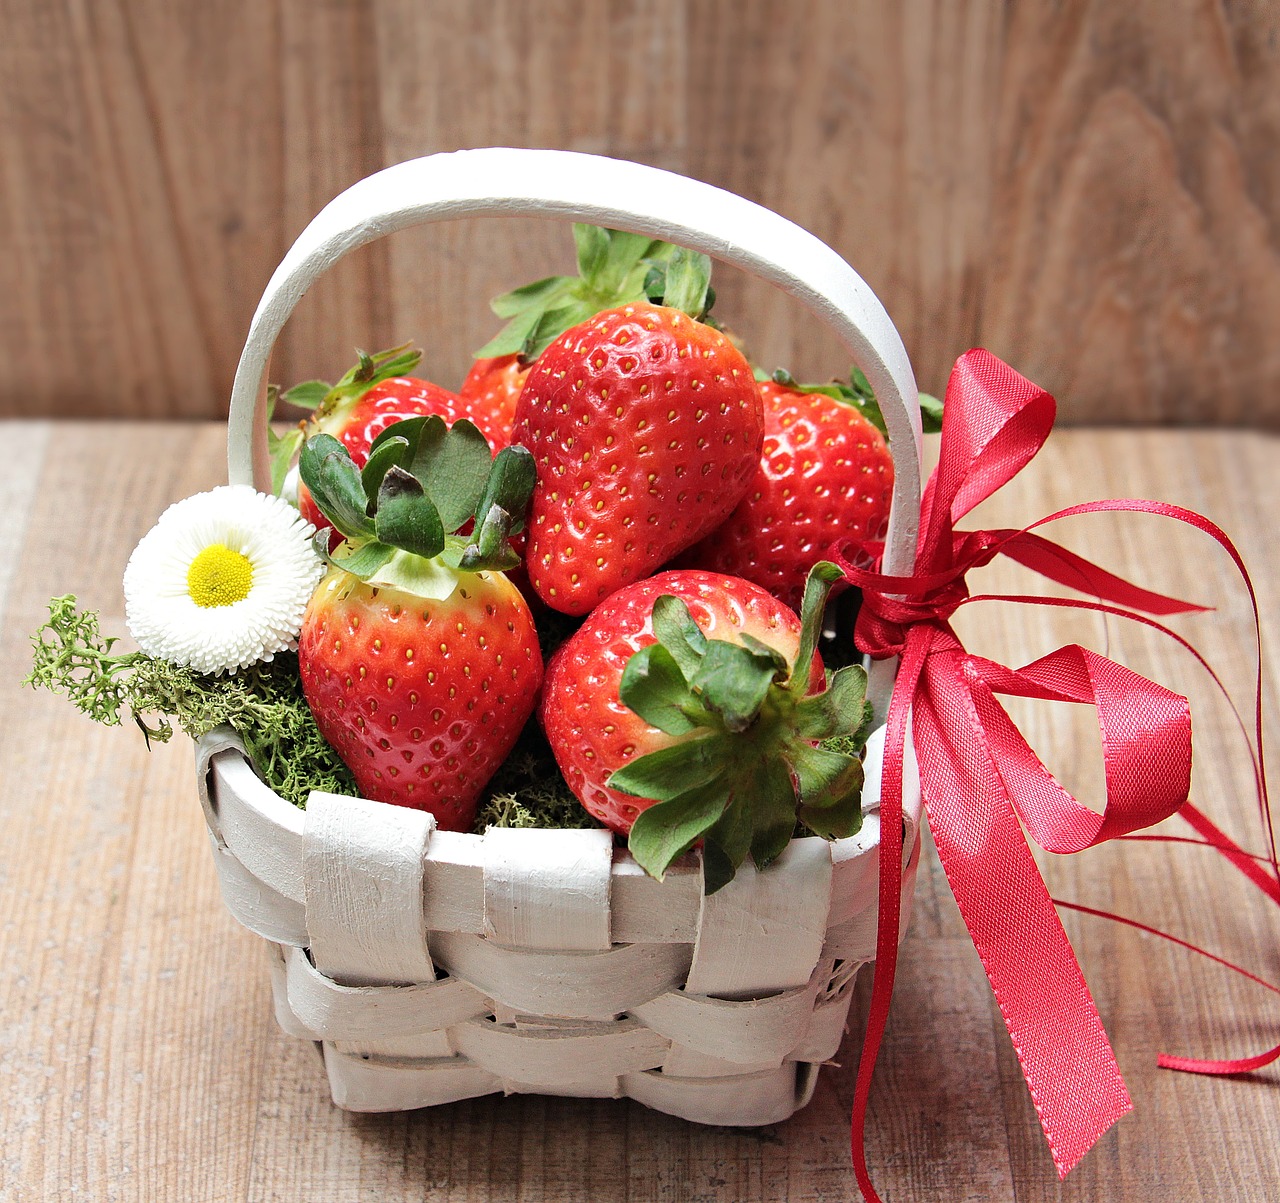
(1087, 189)
(139, 1059)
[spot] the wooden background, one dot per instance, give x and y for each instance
(1090, 189)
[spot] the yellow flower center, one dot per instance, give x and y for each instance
(219, 576)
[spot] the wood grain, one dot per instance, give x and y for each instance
(139, 1058)
(1091, 190)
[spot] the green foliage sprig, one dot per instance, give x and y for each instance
(263, 704)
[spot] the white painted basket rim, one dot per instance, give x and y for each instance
(266, 833)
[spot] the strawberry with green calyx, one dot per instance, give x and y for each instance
(668, 732)
(824, 474)
(330, 405)
(646, 425)
(614, 267)
(418, 657)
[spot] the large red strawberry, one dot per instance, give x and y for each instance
(644, 416)
(419, 659)
(646, 427)
(690, 706)
(825, 473)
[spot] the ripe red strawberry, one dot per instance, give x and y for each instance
(688, 706)
(490, 392)
(825, 474)
(418, 657)
(646, 427)
(421, 698)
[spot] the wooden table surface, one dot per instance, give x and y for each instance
(139, 1058)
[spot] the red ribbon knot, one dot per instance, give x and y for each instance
(982, 783)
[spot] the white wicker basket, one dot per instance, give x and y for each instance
(435, 966)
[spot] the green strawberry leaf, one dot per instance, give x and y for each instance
(773, 819)
(825, 778)
(627, 255)
(309, 394)
(380, 366)
(406, 517)
(836, 822)
(592, 244)
(490, 548)
(930, 413)
(453, 465)
(529, 297)
(838, 710)
(326, 469)
(672, 770)
(282, 448)
(668, 829)
(500, 511)
(654, 687)
(677, 632)
(362, 563)
(408, 429)
(729, 841)
(613, 268)
(718, 870)
(732, 681)
(514, 337)
(554, 323)
(510, 483)
(817, 588)
(395, 451)
(688, 279)
(763, 649)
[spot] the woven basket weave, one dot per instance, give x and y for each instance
(435, 966)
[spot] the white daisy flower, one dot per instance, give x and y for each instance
(222, 580)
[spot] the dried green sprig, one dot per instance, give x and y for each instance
(263, 704)
(528, 790)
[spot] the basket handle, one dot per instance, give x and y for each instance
(610, 192)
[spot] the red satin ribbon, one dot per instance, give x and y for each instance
(982, 783)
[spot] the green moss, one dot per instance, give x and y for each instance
(264, 703)
(528, 790)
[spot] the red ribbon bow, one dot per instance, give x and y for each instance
(981, 781)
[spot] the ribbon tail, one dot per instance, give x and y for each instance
(1066, 1058)
(890, 903)
(1193, 1065)
(1242, 1065)
(1248, 865)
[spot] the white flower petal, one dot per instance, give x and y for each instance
(275, 540)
